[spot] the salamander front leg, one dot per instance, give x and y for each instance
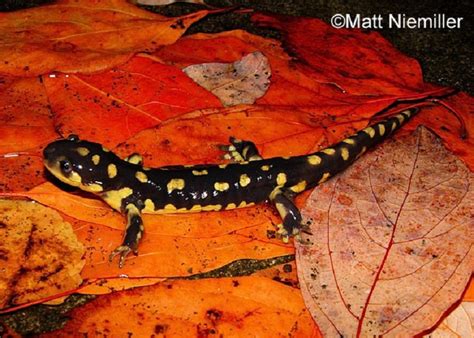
(133, 233)
(241, 150)
(289, 213)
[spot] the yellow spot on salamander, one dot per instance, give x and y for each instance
(195, 208)
(281, 210)
(199, 172)
(301, 186)
(329, 151)
(244, 204)
(175, 184)
(281, 179)
(141, 176)
(112, 170)
(75, 177)
(244, 180)
(324, 178)
(314, 159)
(265, 167)
(221, 186)
(96, 159)
(394, 125)
(407, 112)
(94, 187)
(222, 166)
(105, 149)
(349, 141)
(400, 118)
(364, 149)
(169, 207)
(82, 151)
(344, 154)
(381, 129)
(230, 206)
(114, 197)
(149, 205)
(370, 131)
(212, 207)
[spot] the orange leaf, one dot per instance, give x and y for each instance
(25, 118)
(112, 106)
(40, 255)
(73, 36)
(391, 248)
(210, 240)
(249, 306)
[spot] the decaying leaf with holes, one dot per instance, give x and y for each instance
(391, 244)
(39, 253)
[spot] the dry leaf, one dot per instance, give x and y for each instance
(228, 307)
(391, 249)
(241, 82)
(39, 253)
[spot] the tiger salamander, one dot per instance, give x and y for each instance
(129, 187)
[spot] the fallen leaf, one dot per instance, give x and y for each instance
(73, 36)
(210, 239)
(40, 254)
(112, 106)
(25, 117)
(241, 82)
(459, 324)
(391, 249)
(246, 306)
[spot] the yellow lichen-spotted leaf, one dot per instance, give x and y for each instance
(40, 254)
(391, 245)
(77, 36)
(459, 323)
(243, 307)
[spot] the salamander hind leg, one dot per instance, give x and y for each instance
(241, 150)
(289, 213)
(133, 234)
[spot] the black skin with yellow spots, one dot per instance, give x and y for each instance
(132, 189)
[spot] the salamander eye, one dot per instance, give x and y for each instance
(65, 166)
(73, 137)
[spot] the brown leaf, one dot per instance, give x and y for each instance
(391, 249)
(241, 82)
(39, 253)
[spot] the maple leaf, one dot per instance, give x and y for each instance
(391, 248)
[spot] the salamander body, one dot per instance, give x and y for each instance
(129, 187)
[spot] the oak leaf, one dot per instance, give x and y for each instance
(40, 254)
(73, 36)
(391, 249)
(241, 82)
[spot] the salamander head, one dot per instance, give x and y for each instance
(79, 163)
